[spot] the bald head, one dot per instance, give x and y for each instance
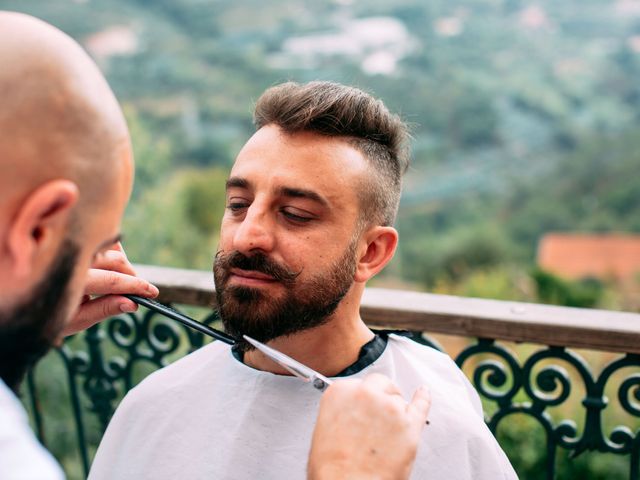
(59, 118)
(66, 174)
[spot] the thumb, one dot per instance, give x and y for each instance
(418, 408)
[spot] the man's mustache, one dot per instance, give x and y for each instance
(257, 262)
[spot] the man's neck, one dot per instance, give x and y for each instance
(328, 349)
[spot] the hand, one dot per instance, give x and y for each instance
(366, 430)
(111, 274)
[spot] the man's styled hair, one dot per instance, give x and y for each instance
(337, 110)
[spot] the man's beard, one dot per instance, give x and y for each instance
(29, 329)
(251, 311)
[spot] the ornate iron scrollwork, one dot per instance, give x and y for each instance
(550, 385)
(103, 370)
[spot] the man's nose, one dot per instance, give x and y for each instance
(255, 233)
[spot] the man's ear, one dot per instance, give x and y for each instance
(40, 224)
(381, 243)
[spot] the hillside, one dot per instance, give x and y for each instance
(525, 113)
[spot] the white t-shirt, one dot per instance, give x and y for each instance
(21, 455)
(209, 416)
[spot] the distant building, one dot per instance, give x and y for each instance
(603, 256)
(376, 43)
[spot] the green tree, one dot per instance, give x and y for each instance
(176, 222)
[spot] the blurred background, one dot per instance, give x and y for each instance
(526, 122)
(525, 182)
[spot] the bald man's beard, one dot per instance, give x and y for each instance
(306, 303)
(29, 330)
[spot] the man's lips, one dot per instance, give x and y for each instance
(252, 277)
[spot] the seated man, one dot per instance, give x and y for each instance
(311, 201)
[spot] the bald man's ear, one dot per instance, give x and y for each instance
(40, 225)
(381, 243)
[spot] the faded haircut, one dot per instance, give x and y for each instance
(337, 110)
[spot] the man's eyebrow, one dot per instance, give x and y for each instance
(108, 243)
(302, 193)
(238, 182)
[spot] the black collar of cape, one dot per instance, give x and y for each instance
(369, 352)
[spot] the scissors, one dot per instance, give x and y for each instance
(317, 380)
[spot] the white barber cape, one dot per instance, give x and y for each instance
(209, 416)
(21, 455)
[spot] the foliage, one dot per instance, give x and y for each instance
(152, 154)
(551, 289)
(523, 439)
(498, 283)
(176, 223)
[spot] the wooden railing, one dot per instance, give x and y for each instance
(462, 316)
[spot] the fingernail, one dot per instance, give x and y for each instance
(153, 290)
(128, 307)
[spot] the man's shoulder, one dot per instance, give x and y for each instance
(420, 351)
(431, 362)
(458, 443)
(420, 364)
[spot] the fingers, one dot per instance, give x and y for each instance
(112, 273)
(360, 419)
(418, 408)
(110, 276)
(91, 312)
(106, 282)
(339, 391)
(381, 383)
(110, 284)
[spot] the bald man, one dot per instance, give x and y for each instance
(67, 173)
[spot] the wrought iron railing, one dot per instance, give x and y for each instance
(546, 376)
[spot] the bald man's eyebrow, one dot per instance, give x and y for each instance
(237, 182)
(302, 193)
